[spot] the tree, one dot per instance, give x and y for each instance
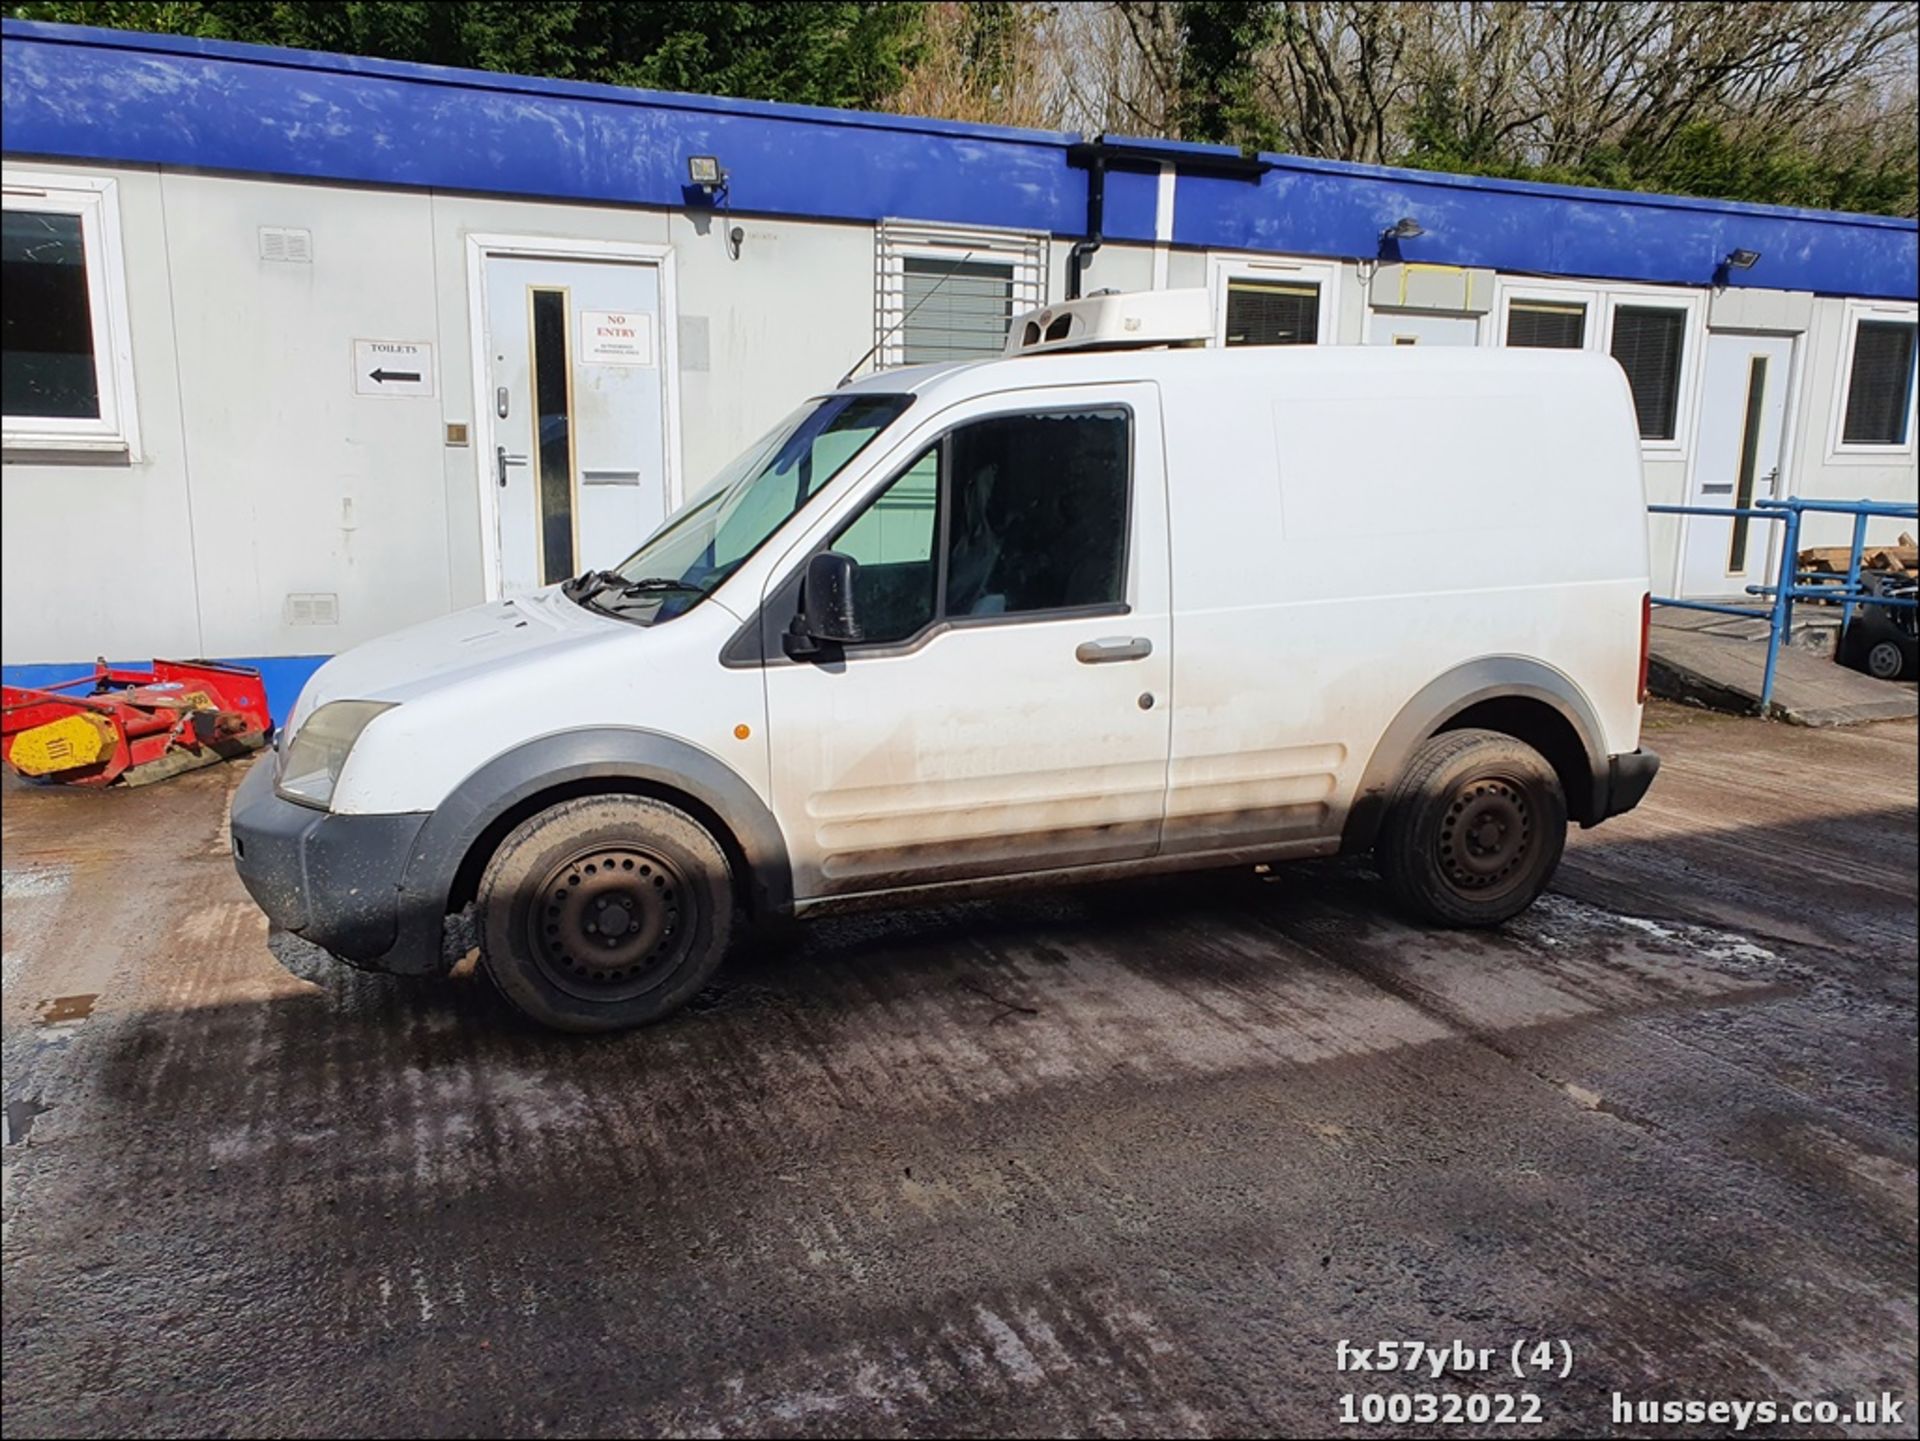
(1135, 86)
(846, 54)
(1787, 101)
(1222, 43)
(999, 62)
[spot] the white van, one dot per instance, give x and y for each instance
(1060, 616)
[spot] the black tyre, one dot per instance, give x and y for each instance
(605, 912)
(1473, 830)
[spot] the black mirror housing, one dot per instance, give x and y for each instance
(827, 615)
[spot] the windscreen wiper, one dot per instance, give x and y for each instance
(591, 589)
(660, 585)
(621, 595)
(585, 586)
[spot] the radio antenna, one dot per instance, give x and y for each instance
(899, 324)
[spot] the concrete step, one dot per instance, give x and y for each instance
(1815, 628)
(1722, 667)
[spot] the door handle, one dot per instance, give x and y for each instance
(1099, 652)
(503, 460)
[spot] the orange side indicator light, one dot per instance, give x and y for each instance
(742, 731)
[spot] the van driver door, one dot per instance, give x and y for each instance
(1008, 708)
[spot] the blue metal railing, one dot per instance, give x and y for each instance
(1797, 587)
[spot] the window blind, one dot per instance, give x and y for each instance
(1546, 325)
(955, 309)
(1646, 342)
(1266, 312)
(1880, 386)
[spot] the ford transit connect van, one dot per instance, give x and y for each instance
(1098, 608)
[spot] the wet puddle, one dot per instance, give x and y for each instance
(67, 1008)
(20, 1116)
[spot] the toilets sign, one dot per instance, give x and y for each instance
(615, 337)
(392, 367)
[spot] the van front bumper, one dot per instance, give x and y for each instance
(1627, 779)
(334, 880)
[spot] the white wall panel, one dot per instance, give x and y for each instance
(297, 483)
(99, 558)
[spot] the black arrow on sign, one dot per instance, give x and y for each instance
(383, 376)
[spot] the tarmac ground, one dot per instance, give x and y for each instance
(1125, 1160)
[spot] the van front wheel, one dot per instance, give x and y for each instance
(1474, 829)
(605, 912)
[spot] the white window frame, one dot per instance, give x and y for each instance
(896, 241)
(97, 204)
(1223, 269)
(1858, 452)
(1602, 301)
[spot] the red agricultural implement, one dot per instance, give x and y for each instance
(133, 726)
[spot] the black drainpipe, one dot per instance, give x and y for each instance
(1097, 153)
(1083, 249)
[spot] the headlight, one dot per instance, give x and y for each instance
(312, 759)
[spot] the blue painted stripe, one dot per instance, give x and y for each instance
(285, 675)
(82, 93)
(1133, 197)
(153, 100)
(1307, 207)
(1540, 189)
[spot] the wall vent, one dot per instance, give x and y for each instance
(279, 242)
(313, 608)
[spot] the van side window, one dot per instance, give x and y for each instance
(1037, 513)
(1036, 520)
(893, 539)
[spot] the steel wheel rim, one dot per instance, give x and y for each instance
(610, 922)
(1487, 836)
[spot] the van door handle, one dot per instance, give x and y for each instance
(1099, 652)
(504, 460)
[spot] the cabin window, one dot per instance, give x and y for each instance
(1646, 341)
(1273, 312)
(955, 309)
(1547, 324)
(1879, 393)
(65, 363)
(952, 294)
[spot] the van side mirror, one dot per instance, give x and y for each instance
(827, 615)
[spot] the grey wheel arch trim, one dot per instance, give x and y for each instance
(1496, 677)
(611, 753)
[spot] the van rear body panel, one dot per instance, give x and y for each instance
(1345, 531)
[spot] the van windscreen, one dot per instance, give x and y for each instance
(733, 515)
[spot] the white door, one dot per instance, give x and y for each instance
(576, 444)
(1743, 415)
(1009, 710)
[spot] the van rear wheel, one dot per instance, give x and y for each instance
(605, 912)
(1474, 829)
